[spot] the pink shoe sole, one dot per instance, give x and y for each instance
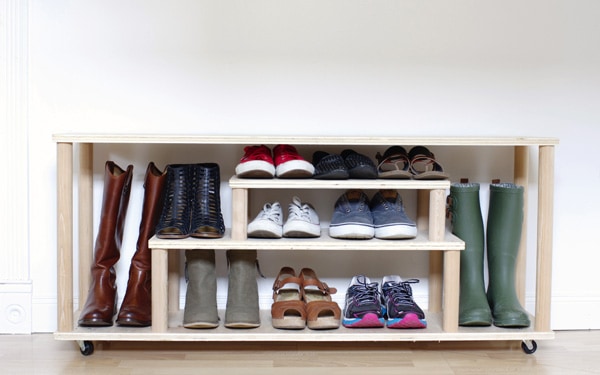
(369, 320)
(409, 321)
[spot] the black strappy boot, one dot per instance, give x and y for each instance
(174, 221)
(206, 216)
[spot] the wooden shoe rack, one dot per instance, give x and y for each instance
(444, 248)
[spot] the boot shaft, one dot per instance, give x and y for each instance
(201, 278)
(115, 201)
(504, 223)
(465, 212)
(200, 266)
(154, 183)
(505, 217)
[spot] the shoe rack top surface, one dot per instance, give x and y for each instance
(300, 140)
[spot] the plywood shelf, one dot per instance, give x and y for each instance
(420, 243)
(176, 332)
(299, 140)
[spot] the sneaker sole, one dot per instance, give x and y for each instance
(352, 231)
(409, 321)
(264, 229)
(295, 169)
(396, 232)
(255, 169)
(369, 320)
(301, 229)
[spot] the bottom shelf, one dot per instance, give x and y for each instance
(266, 332)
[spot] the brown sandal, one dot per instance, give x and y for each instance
(321, 311)
(423, 165)
(288, 310)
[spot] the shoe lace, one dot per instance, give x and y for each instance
(365, 293)
(298, 210)
(271, 212)
(401, 293)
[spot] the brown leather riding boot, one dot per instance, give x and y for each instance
(136, 309)
(99, 307)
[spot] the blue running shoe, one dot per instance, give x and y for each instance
(389, 219)
(401, 309)
(363, 304)
(352, 217)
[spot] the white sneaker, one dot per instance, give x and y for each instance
(302, 220)
(268, 222)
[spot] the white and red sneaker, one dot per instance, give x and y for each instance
(289, 164)
(257, 162)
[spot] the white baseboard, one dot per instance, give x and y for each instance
(572, 311)
(15, 307)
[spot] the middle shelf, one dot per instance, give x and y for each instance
(420, 243)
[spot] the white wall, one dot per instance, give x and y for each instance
(473, 68)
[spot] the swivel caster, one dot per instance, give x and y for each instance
(86, 347)
(527, 349)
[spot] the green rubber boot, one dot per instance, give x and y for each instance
(201, 295)
(467, 224)
(242, 310)
(505, 219)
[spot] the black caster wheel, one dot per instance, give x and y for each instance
(86, 347)
(529, 349)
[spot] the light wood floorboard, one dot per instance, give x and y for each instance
(571, 352)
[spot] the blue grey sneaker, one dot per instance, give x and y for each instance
(389, 218)
(401, 309)
(352, 217)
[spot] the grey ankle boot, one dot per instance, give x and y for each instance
(201, 295)
(242, 293)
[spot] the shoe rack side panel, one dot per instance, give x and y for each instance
(521, 178)
(64, 179)
(544, 238)
(85, 217)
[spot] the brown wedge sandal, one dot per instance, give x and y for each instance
(288, 310)
(321, 311)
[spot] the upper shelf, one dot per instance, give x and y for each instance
(311, 183)
(300, 140)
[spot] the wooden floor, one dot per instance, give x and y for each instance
(571, 352)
